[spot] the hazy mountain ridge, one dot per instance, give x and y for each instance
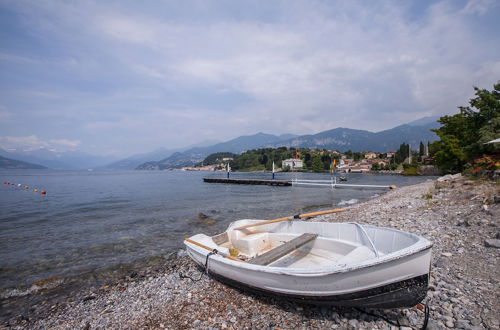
(197, 154)
(69, 160)
(341, 139)
(8, 163)
(425, 121)
(336, 139)
(132, 162)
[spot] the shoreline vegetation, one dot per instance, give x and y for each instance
(460, 215)
(284, 159)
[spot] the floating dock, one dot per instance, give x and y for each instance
(333, 184)
(311, 183)
(249, 181)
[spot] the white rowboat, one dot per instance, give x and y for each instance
(344, 264)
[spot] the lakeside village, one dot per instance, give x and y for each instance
(403, 161)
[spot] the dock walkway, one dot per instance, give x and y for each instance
(304, 183)
(249, 181)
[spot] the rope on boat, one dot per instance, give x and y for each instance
(214, 251)
(368, 237)
(426, 318)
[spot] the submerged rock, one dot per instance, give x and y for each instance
(202, 216)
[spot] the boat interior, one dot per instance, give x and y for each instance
(302, 244)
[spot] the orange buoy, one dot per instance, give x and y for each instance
(36, 190)
(43, 192)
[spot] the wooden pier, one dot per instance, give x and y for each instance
(249, 181)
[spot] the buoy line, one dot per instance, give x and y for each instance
(25, 187)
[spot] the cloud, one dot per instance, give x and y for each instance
(171, 74)
(32, 142)
(22, 142)
(128, 30)
(479, 6)
(65, 143)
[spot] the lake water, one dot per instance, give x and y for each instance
(91, 221)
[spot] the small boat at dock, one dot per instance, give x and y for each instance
(343, 264)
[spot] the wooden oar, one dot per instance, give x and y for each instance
(210, 249)
(305, 215)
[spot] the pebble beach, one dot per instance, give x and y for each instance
(459, 215)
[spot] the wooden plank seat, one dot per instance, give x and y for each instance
(282, 250)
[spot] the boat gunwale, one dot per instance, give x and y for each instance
(302, 272)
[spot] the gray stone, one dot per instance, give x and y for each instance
(469, 194)
(413, 319)
(462, 324)
(403, 321)
(492, 242)
(444, 178)
(475, 321)
(353, 323)
(181, 253)
(432, 325)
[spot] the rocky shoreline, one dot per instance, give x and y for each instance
(460, 216)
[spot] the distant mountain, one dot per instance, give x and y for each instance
(340, 139)
(287, 136)
(68, 160)
(8, 163)
(392, 138)
(343, 139)
(426, 121)
(197, 154)
(130, 163)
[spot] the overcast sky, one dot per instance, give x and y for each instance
(123, 77)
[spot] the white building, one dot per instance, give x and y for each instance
(293, 163)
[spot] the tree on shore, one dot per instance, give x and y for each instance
(462, 136)
(317, 164)
(402, 153)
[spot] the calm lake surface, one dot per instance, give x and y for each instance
(91, 221)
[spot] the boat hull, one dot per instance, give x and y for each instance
(375, 286)
(406, 293)
(390, 280)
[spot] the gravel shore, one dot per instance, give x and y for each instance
(460, 216)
